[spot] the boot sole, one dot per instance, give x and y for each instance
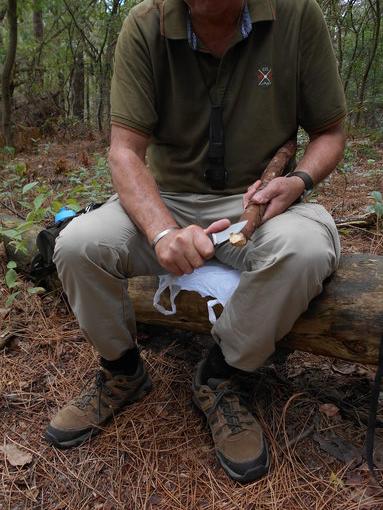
(49, 435)
(251, 475)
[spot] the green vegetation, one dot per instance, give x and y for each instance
(37, 204)
(377, 208)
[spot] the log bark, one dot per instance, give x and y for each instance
(345, 321)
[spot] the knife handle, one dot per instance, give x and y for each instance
(210, 236)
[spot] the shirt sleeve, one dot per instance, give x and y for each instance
(132, 91)
(321, 96)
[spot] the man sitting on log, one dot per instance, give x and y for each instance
(207, 91)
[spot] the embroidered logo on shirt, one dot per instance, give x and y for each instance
(265, 76)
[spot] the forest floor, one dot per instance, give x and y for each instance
(158, 454)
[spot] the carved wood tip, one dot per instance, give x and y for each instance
(238, 240)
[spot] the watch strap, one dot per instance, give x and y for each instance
(306, 178)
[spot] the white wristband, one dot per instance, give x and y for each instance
(162, 234)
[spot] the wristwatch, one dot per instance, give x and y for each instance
(306, 178)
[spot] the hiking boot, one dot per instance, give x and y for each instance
(98, 402)
(238, 438)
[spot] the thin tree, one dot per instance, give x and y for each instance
(78, 82)
(6, 81)
(376, 9)
(38, 31)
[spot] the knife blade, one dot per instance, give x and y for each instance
(224, 235)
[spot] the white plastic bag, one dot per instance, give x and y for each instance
(213, 279)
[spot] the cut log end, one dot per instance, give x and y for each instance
(238, 240)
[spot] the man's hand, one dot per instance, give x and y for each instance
(183, 250)
(278, 195)
(321, 156)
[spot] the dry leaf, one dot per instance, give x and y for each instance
(5, 338)
(32, 494)
(4, 312)
(339, 448)
(329, 410)
(61, 166)
(344, 369)
(85, 160)
(368, 372)
(15, 456)
(335, 480)
(295, 371)
(155, 500)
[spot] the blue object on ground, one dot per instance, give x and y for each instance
(64, 213)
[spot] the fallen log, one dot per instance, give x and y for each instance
(345, 321)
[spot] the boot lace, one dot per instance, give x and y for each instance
(237, 418)
(95, 391)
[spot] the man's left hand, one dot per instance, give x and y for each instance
(279, 194)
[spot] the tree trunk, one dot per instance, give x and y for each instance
(6, 85)
(345, 321)
(87, 96)
(78, 83)
(363, 86)
(3, 12)
(101, 104)
(108, 66)
(60, 92)
(38, 30)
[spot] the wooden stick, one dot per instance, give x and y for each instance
(366, 220)
(254, 212)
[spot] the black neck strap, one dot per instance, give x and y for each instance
(216, 174)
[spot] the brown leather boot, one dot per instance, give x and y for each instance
(239, 441)
(82, 417)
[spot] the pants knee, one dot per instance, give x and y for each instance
(69, 246)
(298, 250)
(80, 251)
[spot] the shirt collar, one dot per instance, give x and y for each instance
(175, 18)
(245, 28)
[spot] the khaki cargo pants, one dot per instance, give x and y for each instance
(283, 267)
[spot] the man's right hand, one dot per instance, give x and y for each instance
(185, 249)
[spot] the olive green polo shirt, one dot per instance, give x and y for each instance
(282, 75)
